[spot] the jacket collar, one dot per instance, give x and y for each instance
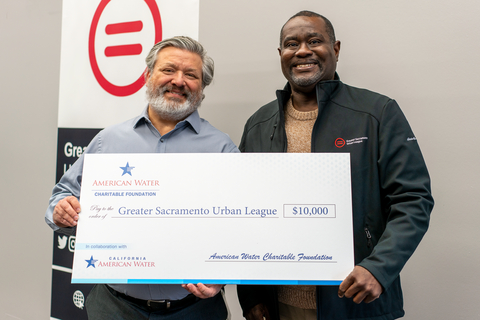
(325, 91)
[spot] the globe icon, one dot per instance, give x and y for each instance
(78, 299)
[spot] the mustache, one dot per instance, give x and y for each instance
(160, 91)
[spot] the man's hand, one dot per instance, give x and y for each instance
(65, 213)
(361, 285)
(259, 312)
(203, 291)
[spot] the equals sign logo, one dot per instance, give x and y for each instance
(128, 49)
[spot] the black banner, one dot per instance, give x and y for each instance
(68, 299)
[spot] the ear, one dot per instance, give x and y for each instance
(336, 48)
(146, 75)
(279, 51)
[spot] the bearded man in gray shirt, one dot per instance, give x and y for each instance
(178, 70)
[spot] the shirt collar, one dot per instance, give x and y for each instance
(193, 120)
(142, 118)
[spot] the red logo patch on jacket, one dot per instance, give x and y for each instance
(339, 143)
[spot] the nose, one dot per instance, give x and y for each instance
(303, 50)
(178, 79)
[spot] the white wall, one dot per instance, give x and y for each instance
(29, 70)
(422, 53)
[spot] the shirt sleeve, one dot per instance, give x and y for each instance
(69, 185)
(231, 148)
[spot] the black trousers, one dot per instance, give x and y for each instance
(103, 304)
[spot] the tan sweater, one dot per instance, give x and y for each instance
(299, 126)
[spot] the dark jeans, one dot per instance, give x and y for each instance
(102, 304)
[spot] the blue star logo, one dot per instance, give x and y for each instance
(91, 262)
(127, 169)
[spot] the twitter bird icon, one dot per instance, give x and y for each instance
(62, 242)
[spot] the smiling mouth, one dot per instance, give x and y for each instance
(177, 93)
(308, 65)
(305, 65)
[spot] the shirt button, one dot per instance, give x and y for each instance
(161, 140)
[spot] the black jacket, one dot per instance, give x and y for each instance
(391, 195)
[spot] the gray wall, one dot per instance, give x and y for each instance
(422, 53)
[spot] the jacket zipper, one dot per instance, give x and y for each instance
(369, 237)
(273, 132)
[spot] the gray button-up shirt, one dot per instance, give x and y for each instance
(138, 135)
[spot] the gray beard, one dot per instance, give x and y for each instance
(305, 82)
(169, 109)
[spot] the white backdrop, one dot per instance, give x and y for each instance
(422, 53)
(84, 43)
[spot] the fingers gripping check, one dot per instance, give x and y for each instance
(360, 285)
(203, 291)
(65, 213)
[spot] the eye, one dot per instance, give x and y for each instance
(315, 41)
(291, 45)
(191, 75)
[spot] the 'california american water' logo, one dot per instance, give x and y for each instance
(120, 262)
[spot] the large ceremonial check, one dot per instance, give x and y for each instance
(251, 218)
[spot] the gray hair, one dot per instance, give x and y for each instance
(185, 43)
